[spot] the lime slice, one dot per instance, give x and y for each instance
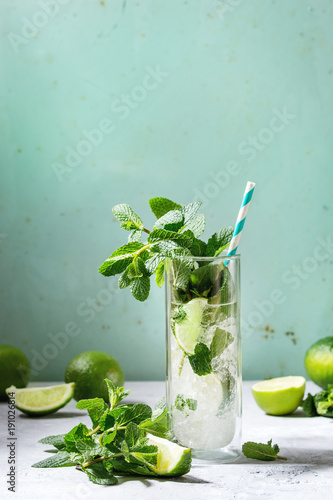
(172, 459)
(189, 330)
(37, 401)
(279, 396)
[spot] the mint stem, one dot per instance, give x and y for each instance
(94, 431)
(100, 459)
(281, 458)
(146, 230)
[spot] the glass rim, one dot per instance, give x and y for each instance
(218, 258)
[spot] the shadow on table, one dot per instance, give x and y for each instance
(55, 416)
(147, 481)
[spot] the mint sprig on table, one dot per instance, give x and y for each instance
(175, 233)
(260, 451)
(118, 442)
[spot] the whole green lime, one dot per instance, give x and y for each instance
(88, 370)
(14, 369)
(319, 362)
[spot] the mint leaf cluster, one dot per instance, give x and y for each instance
(175, 233)
(321, 404)
(118, 442)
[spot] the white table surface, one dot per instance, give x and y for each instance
(306, 442)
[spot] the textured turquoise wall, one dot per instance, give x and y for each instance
(118, 101)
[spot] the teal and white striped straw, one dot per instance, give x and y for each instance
(240, 220)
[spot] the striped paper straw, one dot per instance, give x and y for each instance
(240, 220)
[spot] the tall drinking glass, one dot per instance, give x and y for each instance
(204, 354)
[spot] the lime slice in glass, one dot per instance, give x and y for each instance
(172, 459)
(38, 401)
(189, 330)
(279, 396)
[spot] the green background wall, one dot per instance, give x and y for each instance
(192, 99)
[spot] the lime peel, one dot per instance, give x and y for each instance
(189, 330)
(172, 459)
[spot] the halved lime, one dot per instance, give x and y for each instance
(279, 396)
(189, 330)
(38, 401)
(172, 459)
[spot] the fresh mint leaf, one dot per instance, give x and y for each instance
(309, 407)
(152, 262)
(124, 281)
(162, 234)
(324, 402)
(132, 434)
(106, 421)
(98, 474)
(136, 413)
(171, 217)
(259, 451)
(202, 279)
(79, 432)
(129, 219)
(222, 291)
(219, 241)
(180, 270)
(109, 437)
(169, 249)
(197, 225)
(145, 454)
(160, 271)
(157, 424)
(60, 459)
(140, 288)
(184, 405)
(161, 206)
(193, 221)
(192, 404)
(56, 441)
(120, 259)
(178, 314)
(141, 412)
(137, 269)
(95, 407)
(89, 448)
(134, 236)
(125, 451)
(201, 360)
(198, 248)
(116, 394)
(220, 342)
(190, 212)
(121, 465)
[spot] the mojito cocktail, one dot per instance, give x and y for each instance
(203, 366)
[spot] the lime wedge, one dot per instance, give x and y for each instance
(189, 330)
(279, 396)
(38, 401)
(172, 459)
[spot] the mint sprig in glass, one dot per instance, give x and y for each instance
(203, 340)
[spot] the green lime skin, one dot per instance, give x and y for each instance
(319, 362)
(88, 370)
(14, 369)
